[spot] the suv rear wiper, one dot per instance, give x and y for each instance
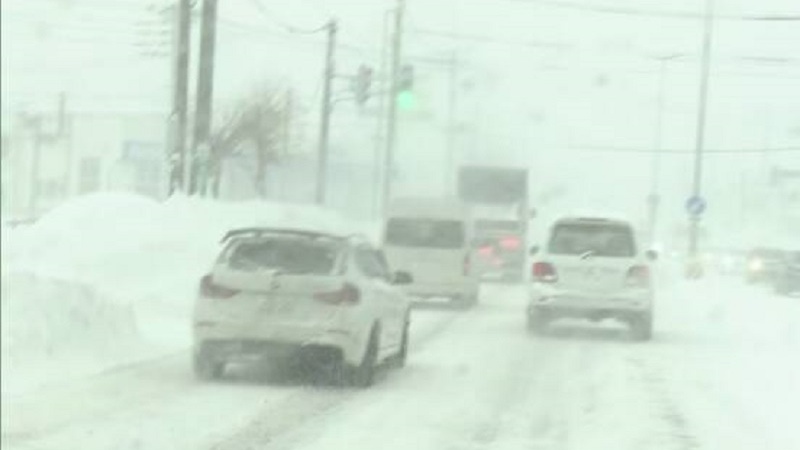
(587, 254)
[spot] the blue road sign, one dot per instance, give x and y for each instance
(696, 206)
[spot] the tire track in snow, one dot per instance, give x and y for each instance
(679, 432)
(284, 423)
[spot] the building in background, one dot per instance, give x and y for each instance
(48, 159)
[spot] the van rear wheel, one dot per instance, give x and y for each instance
(207, 369)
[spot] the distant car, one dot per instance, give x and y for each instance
(281, 294)
(763, 264)
(592, 268)
(787, 281)
(499, 257)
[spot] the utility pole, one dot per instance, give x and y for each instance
(391, 133)
(449, 170)
(380, 127)
(694, 221)
(325, 119)
(288, 113)
(654, 199)
(180, 95)
(35, 122)
(205, 94)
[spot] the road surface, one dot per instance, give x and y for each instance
(722, 372)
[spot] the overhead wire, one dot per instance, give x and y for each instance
(639, 12)
(650, 151)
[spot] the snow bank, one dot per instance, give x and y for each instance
(117, 270)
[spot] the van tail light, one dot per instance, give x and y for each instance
(348, 294)
(467, 265)
(209, 289)
(544, 272)
(638, 276)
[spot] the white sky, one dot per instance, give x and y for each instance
(600, 90)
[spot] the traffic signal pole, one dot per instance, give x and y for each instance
(325, 119)
(391, 132)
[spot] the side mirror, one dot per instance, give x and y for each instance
(652, 255)
(534, 250)
(402, 278)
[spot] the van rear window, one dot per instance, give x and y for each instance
(613, 241)
(425, 233)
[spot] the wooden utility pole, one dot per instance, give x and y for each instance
(205, 93)
(180, 96)
(325, 119)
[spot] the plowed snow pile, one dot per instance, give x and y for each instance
(109, 278)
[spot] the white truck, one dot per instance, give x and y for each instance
(500, 211)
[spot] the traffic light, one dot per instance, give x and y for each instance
(405, 79)
(404, 96)
(362, 84)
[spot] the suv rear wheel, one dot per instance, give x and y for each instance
(538, 323)
(642, 327)
(363, 375)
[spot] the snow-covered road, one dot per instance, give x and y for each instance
(722, 372)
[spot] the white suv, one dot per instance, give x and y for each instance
(591, 268)
(290, 293)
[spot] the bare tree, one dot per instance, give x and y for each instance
(256, 123)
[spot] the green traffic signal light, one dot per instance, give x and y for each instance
(406, 100)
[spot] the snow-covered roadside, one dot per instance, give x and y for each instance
(109, 279)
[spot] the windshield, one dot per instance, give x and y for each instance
(286, 256)
(425, 233)
(600, 240)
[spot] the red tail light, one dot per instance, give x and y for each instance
(638, 276)
(348, 294)
(486, 251)
(544, 272)
(510, 243)
(210, 290)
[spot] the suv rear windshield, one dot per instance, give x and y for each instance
(426, 233)
(288, 256)
(614, 241)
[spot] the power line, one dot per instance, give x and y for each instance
(487, 39)
(650, 151)
(638, 12)
(264, 11)
(247, 28)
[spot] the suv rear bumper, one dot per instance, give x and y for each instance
(623, 304)
(229, 343)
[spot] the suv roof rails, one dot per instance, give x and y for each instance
(258, 231)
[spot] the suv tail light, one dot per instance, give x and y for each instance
(210, 290)
(638, 276)
(348, 294)
(544, 272)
